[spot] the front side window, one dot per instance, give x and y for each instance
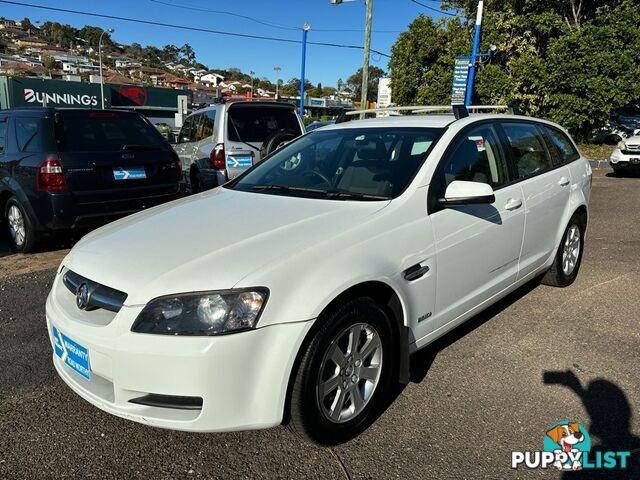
(188, 130)
(527, 149)
(476, 157)
(358, 163)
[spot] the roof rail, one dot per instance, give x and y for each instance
(460, 111)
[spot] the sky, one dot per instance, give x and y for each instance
(275, 18)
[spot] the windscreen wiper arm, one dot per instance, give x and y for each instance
(285, 188)
(233, 124)
(356, 196)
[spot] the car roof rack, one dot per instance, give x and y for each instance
(459, 111)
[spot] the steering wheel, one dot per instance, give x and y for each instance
(310, 173)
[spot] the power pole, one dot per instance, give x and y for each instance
(367, 52)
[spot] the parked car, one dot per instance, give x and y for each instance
(304, 284)
(626, 157)
(64, 169)
(623, 123)
(218, 143)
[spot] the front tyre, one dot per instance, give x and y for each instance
(565, 266)
(345, 374)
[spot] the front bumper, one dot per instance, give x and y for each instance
(241, 378)
(624, 160)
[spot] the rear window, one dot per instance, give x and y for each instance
(106, 131)
(256, 124)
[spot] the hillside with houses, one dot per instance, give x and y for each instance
(58, 51)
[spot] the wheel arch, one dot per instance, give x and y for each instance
(385, 296)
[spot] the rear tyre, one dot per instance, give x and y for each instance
(565, 266)
(617, 172)
(344, 375)
(19, 228)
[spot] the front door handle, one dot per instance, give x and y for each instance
(415, 272)
(564, 181)
(513, 204)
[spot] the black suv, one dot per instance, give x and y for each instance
(63, 169)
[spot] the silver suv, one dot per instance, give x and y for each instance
(220, 142)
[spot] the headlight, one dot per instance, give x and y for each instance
(202, 314)
(622, 146)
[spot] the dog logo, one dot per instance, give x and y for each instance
(570, 439)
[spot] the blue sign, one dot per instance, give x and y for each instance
(130, 173)
(239, 162)
(73, 354)
(460, 78)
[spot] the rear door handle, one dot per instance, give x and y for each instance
(513, 204)
(564, 181)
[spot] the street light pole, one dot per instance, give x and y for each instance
(367, 52)
(277, 70)
(305, 30)
(474, 54)
(110, 30)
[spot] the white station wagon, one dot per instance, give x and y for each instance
(297, 292)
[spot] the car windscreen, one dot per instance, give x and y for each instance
(96, 131)
(343, 164)
(255, 123)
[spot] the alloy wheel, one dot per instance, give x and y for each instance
(571, 250)
(350, 372)
(16, 225)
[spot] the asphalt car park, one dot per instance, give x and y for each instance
(479, 393)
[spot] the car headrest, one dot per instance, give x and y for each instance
(371, 149)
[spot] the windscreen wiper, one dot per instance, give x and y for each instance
(285, 188)
(233, 124)
(356, 196)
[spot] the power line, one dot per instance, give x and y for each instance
(193, 29)
(434, 9)
(262, 22)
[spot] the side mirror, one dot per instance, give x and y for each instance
(467, 193)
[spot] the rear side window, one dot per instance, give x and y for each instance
(204, 127)
(477, 158)
(256, 124)
(527, 149)
(106, 131)
(564, 147)
(3, 133)
(33, 134)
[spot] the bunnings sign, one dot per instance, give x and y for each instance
(36, 92)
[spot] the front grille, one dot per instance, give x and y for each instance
(99, 296)
(633, 148)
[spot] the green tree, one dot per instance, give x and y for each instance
(187, 53)
(354, 82)
(422, 60)
(92, 36)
